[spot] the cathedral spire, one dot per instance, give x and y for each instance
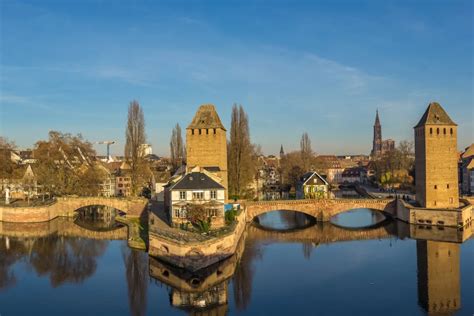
(377, 120)
(282, 152)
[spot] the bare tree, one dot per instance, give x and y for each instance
(134, 137)
(241, 153)
(177, 148)
(306, 151)
(6, 164)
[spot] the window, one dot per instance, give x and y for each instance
(200, 131)
(437, 131)
(198, 195)
(213, 194)
(212, 212)
(192, 131)
(447, 186)
(207, 131)
(182, 195)
(431, 131)
(436, 187)
(176, 213)
(451, 131)
(444, 131)
(214, 131)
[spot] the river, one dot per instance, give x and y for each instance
(320, 269)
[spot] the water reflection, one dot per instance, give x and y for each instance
(250, 280)
(61, 259)
(284, 220)
(136, 267)
(439, 279)
(97, 217)
(359, 218)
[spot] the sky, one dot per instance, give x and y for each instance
(321, 67)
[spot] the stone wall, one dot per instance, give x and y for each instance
(196, 255)
(441, 217)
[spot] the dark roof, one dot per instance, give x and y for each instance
(435, 115)
(196, 180)
(206, 117)
(212, 169)
(312, 174)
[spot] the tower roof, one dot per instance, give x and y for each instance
(435, 115)
(206, 117)
(377, 120)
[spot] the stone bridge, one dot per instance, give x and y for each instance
(321, 209)
(66, 206)
(318, 234)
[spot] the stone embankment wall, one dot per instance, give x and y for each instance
(458, 217)
(194, 255)
(66, 206)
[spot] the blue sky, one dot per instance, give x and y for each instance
(316, 66)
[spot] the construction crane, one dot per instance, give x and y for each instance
(108, 143)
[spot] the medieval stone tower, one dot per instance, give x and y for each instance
(377, 141)
(206, 143)
(436, 159)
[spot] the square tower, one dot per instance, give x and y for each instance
(436, 159)
(206, 143)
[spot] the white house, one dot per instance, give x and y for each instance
(195, 187)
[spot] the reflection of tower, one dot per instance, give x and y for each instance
(439, 288)
(377, 141)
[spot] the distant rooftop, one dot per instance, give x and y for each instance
(206, 117)
(435, 115)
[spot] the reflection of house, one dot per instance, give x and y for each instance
(196, 187)
(312, 186)
(439, 282)
(467, 170)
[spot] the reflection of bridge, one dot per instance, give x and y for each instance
(61, 227)
(66, 206)
(321, 209)
(318, 234)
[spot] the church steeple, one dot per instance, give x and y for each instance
(377, 141)
(377, 120)
(282, 152)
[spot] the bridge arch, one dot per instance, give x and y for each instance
(321, 209)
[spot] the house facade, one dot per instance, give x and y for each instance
(467, 170)
(312, 186)
(195, 188)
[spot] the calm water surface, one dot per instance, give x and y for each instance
(318, 270)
